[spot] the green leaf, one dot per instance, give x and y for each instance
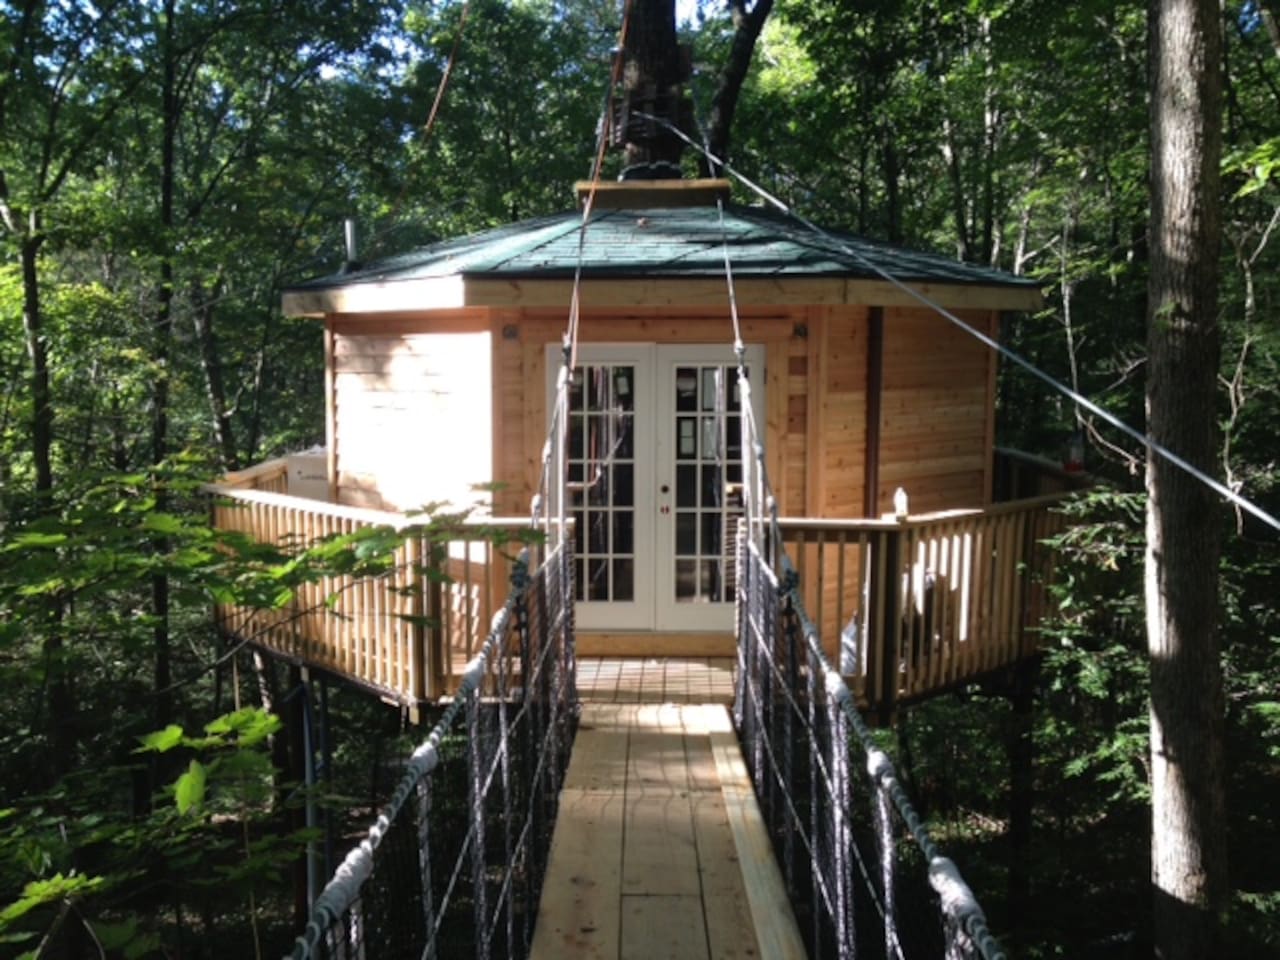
(189, 790)
(34, 540)
(250, 725)
(39, 892)
(162, 740)
(162, 523)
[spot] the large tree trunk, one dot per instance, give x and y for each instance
(59, 699)
(651, 72)
(1188, 855)
(161, 350)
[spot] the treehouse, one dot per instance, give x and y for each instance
(440, 365)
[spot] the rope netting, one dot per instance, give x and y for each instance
(454, 863)
(863, 874)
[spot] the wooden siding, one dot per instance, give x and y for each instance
(410, 412)
(401, 376)
(935, 415)
(837, 409)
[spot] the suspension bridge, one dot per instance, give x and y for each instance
(757, 820)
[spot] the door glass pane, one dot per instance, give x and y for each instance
(598, 540)
(601, 453)
(624, 579)
(687, 533)
(624, 492)
(624, 534)
(712, 535)
(597, 579)
(686, 584)
(686, 388)
(686, 486)
(686, 439)
(709, 392)
(711, 437)
(709, 448)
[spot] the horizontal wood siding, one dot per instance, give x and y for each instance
(935, 438)
(411, 412)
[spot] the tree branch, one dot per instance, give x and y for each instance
(724, 104)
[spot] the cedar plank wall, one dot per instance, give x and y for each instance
(402, 389)
(935, 413)
(835, 441)
(936, 410)
(837, 436)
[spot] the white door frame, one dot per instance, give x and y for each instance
(671, 614)
(653, 607)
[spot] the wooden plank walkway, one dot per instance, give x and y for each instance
(659, 849)
(650, 680)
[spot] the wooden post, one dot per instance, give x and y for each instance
(434, 596)
(886, 616)
(875, 390)
(418, 649)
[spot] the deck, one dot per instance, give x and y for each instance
(659, 850)
(908, 607)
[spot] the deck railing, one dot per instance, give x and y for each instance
(923, 603)
(406, 633)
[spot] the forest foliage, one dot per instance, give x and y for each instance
(167, 167)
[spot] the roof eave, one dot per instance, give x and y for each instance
(454, 292)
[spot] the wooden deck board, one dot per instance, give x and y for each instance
(693, 680)
(663, 928)
(647, 859)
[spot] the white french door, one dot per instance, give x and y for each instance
(653, 444)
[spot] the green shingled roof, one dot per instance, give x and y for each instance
(684, 242)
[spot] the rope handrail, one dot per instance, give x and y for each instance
(957, 898)
(800, 730)
(761, 553)
(514, 742)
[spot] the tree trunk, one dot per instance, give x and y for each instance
(215, 389)
(892, 188)
(38, 354)
(161, 349)
(951, 153)
(1188, 855)
(651, 71)
(1021, 752)
(724, 104)
(59, 698)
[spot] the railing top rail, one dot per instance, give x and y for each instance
(386, 518)
(875, 524)
(268, 468)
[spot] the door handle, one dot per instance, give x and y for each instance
(664, 489)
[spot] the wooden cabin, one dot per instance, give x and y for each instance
(441, 363)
